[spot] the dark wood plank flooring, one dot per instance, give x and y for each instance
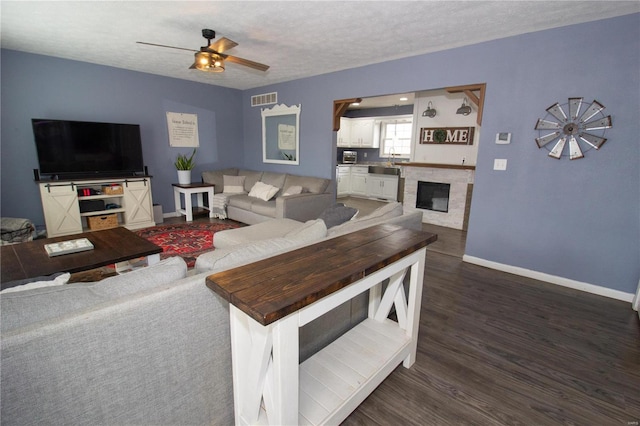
(498, 349)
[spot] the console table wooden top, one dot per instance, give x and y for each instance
(273, 288)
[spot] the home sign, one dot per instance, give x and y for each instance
(447, 135)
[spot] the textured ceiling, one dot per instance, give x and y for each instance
(296, 38)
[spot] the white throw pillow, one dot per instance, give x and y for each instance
(293, 190)
(233, 184)
(311, 230)
(263, 191)
(59, 280)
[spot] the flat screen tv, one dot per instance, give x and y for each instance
(78, 149)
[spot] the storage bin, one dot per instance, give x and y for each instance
(102, 222)
(157, 214)
(112, 190)
(91, 205)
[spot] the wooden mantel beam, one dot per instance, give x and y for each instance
(339, 108)
(469, 90)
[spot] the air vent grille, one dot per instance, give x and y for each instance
(264, 99)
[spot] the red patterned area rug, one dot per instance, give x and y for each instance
(187, 240)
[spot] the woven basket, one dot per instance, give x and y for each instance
(102, 222)
(112, 190)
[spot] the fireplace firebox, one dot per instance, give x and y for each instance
(433, 196)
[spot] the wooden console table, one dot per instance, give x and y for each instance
(271, 299)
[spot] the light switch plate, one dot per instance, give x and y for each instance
(503, 138)
(500, 164)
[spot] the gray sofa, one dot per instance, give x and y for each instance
(316, 196)
(151, 346)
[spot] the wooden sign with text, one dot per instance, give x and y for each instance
(447, 135)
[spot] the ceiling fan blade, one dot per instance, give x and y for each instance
(247, 63)
(162, 45)
(222, 45)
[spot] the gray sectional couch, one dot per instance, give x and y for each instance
(150, 346)
(316, 196)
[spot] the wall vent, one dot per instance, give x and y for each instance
(264, 99)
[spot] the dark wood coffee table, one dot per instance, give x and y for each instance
(30, 259)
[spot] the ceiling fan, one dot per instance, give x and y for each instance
(211, 58)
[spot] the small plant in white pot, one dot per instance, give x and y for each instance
(184, 165)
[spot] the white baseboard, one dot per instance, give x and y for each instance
(553, 279)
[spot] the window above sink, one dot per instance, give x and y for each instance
(396, 136)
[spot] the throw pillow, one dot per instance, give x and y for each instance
(233, 184)
(310, 231)
(263, 191)
(337, 214)
(293, 190)
(387, 211)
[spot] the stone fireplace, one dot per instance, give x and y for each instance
(449, 190)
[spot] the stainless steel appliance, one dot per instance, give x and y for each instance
(349, 157)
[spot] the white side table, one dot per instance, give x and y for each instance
(187, 191)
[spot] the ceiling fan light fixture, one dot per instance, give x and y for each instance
(209, 62)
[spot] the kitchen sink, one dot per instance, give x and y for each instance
(382, 170)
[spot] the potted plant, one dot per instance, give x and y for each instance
(184, 165)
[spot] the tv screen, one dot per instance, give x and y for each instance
(74, 149)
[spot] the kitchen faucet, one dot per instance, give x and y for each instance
(391, 155)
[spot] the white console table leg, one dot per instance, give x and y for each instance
(265, 369)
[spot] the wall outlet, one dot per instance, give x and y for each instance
(365, 155)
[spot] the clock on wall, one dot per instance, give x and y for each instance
(583, 129)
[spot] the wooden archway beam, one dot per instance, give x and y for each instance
(469, 90)
(339, 108)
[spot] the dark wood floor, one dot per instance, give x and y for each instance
(498, 349)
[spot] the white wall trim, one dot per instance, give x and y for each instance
(553, 279)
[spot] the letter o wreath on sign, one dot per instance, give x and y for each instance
(583, 129)
(439, 135)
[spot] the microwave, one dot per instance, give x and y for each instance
(349, 157)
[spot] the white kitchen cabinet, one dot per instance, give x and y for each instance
(384, 187)
(357, 133)
(359, 178)
(343, 176)
(344, 134)
(362, 133)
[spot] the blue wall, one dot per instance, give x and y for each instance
(35, 86)
(574, 219)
